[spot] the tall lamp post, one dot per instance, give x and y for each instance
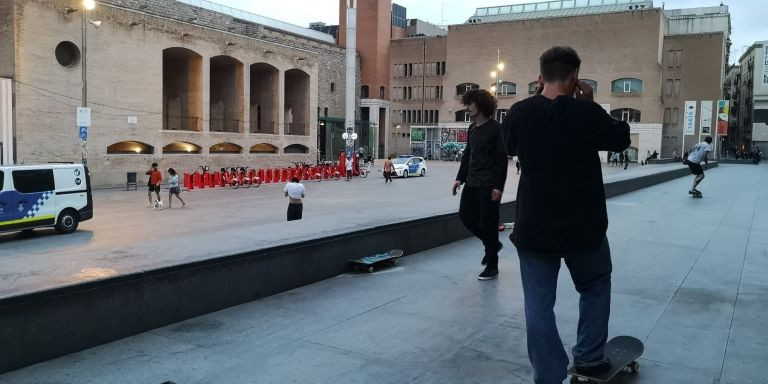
(84, 115)
(497, 74)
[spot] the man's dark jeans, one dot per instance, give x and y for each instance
(481, 216)
(295, 211)
(591, 274)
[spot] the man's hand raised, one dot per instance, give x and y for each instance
(584, 91)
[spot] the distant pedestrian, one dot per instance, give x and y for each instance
(294, 191)
(625, 158)
(348, 167)
(561, 213)
(155, 178)
(173, 182)
(483, 171)
(675, 157)
(389, 169)
(517, 165)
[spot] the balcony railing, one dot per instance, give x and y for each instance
(296, 129)
(180, 123)
(263, 127)
(226, 125)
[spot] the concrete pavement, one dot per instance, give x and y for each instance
(689, 280)
(125, 237)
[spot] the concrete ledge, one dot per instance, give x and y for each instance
(734, 161)
(44, 325)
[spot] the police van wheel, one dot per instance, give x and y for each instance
(67, 222)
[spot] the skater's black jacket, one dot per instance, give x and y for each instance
(484, 162)
(560, 198)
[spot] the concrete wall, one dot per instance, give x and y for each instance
(700, 72)
(125, 80)
(7, 39)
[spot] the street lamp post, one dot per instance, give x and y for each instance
(87, 6)
(497, 73)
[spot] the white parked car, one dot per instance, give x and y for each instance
(406, 165)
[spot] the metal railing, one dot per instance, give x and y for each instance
(180, 123)
(226, 125)
(263, 127)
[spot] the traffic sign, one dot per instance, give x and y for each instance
(84, 133)
(83, 117)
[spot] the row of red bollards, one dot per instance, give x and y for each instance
(202, 180)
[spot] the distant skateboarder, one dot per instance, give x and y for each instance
(698, 153)
(294, 191)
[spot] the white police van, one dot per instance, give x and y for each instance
(34, 196)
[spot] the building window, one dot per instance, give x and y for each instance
(462, 116)
(409, 70)
(508, 88)
(667, 115)
(325, 111)
(364, 92)
(627, 86)
(532, 87)
(675, 116)
(678, 59)
(629, 115)
(67, 54)
(333, 87)
(668, 90)
(678, 87)
(591, 83)
(501, 114)
(381, 93)
(463, 88)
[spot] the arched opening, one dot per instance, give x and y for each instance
(226, 95)
(225, 148)
(462, 88)
(264, 98)
(627, 86)
(296, 102)
(382, 92)
(263, 148)
(296, 148)
(182, 89)
(629, 115)
(130, 148)
(182, 147)
(364, 92)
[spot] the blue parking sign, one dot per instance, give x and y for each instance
(83, 133)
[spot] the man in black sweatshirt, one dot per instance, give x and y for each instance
(483, 172)
(561, 212)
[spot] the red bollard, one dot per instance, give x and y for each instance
(187, 181)
(268, 175)
(261, 175)
(206, 180)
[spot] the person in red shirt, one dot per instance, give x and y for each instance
(155, 177)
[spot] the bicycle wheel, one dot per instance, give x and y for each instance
(234, 184)
(246, 183)
(256, 182)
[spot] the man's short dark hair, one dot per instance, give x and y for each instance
(557, 63)
(708, 139)
(483, 99)
(154, 165)
(294, 180)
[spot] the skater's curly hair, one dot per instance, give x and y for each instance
(483, 99)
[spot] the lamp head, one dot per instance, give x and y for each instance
(89, 4)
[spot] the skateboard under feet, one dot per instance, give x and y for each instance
(622, 351)
(695, 194)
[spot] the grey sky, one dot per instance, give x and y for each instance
(747, 20)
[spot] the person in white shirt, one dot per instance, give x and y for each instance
(294, 191)
(349, 168)
(698, 153)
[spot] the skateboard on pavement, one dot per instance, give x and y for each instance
(370, 263)
(622, 351)
(695, 194)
